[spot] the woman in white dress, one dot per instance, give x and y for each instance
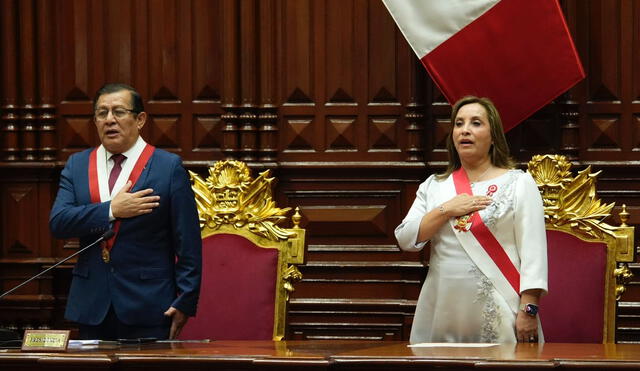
(485, 221)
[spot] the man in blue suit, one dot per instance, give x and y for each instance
(145, 281)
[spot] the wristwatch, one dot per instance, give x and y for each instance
(530, 309)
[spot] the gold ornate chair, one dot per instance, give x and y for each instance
(248, 261)
(587, 269)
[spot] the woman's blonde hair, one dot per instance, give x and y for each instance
(499, 150)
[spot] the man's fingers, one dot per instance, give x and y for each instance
(143, 192)
(148, 204)
(172, 332)
(149, 199)
(176, 328)
(178, 319)
(171, 313)
(126, 187)
(146, 210)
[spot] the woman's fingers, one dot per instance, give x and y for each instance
(464, 204)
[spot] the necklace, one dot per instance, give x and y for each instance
(481, 175)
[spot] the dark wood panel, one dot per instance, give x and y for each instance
(326, 92)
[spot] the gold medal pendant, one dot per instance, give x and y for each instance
(106, 257)
(462, 223)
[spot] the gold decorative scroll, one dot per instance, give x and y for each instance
(567, 199)
(623, 276)
(230, 197)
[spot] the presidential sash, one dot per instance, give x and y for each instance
(94, 189)
(484, 249)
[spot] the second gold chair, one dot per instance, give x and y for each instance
(249, 261)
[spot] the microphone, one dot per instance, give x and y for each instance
(107, 235)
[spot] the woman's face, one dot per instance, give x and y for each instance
(472, 133)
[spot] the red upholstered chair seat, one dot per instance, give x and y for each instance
(573, 311)
(237, 298)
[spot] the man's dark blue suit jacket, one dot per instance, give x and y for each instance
(156, 260)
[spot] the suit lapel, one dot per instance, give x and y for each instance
(142, 180)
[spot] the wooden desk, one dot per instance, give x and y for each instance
(329, 355)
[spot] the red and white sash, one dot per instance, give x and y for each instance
(485, 250)
(99, 190)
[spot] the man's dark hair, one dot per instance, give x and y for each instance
(136, 99)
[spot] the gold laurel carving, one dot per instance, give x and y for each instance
(569, 200)
(623, 276)
(229, 196)
(290, 275)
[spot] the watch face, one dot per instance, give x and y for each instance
(531, 309)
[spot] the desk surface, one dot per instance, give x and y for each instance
(329, 355)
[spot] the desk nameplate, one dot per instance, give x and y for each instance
(45, 340)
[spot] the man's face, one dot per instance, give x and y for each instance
(119, 128)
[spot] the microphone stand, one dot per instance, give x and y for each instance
(10, 338)
(107, 235)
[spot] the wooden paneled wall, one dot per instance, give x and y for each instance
(325, 92)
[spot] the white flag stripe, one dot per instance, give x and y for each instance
(434, 21)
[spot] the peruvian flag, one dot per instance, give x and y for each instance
(518, 53)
